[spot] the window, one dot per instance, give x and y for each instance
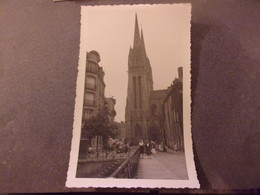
(88, 113)
(140, 91)
(90, 82)
(135, 96)
(89, 99)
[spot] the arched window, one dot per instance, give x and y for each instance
(140, 90)
(135, 92)
(90, 82)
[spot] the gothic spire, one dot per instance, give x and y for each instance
(137, 34)
(142, 42)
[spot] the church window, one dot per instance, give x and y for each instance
(140, 91)
(135, 95)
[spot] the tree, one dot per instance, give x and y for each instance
(99, 125)
(115, 130)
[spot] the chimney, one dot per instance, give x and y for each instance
(180, 73)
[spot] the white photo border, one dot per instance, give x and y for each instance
(72, 181)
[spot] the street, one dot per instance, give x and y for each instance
(164, 166)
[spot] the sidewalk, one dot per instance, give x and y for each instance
(172, 151)
(165, 166)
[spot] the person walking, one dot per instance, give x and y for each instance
(154, 152)
(141, 145)
(148, 149)
(153, 149)
(164, 148)
(89, 151)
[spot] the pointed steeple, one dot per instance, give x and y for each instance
(137, 34)
(142, 43)
(130, 51)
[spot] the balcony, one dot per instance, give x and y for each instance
(91, 67)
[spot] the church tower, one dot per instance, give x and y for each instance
(140, 85)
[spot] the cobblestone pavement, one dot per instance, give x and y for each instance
(164, 165)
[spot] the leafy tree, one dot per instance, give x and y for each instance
(99, 125)
(115, 130)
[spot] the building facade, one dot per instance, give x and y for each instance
(94, 93)
(155, 130)
(94, 99)
(172, 110)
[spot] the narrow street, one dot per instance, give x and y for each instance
(164, 166)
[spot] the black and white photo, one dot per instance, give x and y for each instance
(132, 125)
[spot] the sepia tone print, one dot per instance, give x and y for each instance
(127, 126)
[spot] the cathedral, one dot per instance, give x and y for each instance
(151, 114)
(142, 114)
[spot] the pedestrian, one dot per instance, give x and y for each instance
(148, 149)
(164, 148)
(160, 147)
(153, 151)
(175, 147)
(89, 151)
(141, 146)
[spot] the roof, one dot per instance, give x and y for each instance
(158, 93)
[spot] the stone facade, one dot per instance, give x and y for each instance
(94, 93)
(173, 115)
(155, 130)
(94, 99)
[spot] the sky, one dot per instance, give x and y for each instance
(109, 30)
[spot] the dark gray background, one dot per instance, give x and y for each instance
(39, 47)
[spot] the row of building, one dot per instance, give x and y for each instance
(172, 114)
(95, 100)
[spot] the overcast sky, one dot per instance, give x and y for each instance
(110, 31)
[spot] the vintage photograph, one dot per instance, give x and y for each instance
(132, 109)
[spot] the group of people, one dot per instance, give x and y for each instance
(113, 148)
(148, 148)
